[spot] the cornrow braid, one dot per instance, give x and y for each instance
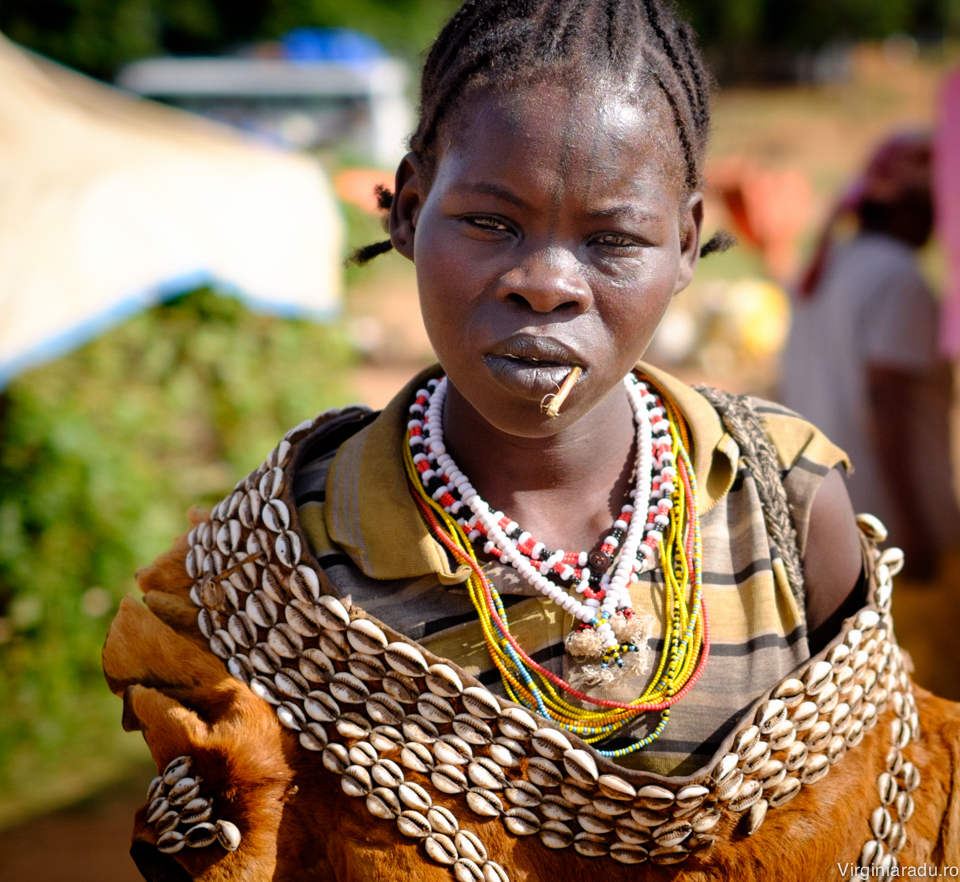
(502, 44)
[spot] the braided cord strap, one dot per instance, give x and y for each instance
(760, 457)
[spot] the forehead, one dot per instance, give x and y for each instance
(572, 137)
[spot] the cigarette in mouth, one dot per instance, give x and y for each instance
(556, 401)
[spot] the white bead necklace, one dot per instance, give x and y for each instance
(454, 491)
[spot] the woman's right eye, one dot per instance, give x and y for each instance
(491, 224)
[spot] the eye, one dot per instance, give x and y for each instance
(617, 244)
(487, 223)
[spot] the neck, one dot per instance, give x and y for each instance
(565, 489)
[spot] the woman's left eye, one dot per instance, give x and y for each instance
(616, 241)
(487, 223)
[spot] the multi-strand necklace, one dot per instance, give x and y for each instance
(592, 587)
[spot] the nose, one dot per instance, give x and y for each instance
(545, 280)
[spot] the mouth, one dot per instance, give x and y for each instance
(530, 366)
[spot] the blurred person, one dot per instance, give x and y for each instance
(361, 666)
(862, 361)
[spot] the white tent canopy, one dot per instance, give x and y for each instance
(109, 203)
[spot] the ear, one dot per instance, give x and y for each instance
(408, 199)
(691, 226)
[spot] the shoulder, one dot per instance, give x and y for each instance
(798, 442)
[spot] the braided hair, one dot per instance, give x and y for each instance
(499, 44)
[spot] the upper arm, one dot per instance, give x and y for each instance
(832, 561)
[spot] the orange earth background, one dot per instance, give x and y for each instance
(778, 157)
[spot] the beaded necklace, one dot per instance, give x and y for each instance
(458, 517)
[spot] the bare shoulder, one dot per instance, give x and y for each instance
(833, 561)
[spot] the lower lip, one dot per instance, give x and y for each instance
(526, 379)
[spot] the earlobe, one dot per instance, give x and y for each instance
(691, 227)
(407, 202)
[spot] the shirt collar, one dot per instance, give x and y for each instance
(370, 514)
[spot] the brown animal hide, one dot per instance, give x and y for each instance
(297, 824)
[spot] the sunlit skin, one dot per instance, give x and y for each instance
(554, 230)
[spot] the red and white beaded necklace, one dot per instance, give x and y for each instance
(601, 577)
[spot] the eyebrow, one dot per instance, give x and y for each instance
(488, 188)
(621, 210)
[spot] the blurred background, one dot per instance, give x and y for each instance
(180, 181)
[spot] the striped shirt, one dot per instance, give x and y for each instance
(364, 528)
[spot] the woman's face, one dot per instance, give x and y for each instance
(551, 235)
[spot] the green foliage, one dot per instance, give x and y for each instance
(99, 36)
(101, 454)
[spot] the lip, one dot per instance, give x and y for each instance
(530, 366)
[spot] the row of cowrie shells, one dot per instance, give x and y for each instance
(895, 787)
(173, 800)
(805, 721)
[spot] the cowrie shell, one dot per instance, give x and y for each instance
(796, 756)
(386, 739)
(167, 821)
(465, 870)
(705, 821)
(484, 803)
(442, 820)
(443, 680)
(790, 692)
(184, 790)
(362, 754)
(170, 842)
(158, 807)
(595, 822)
(440, 848)
(815, 767)
(264, 658)
(580, 765)
(261, 609)
(550, 743)
(452, 750)
(770, 715)
(435, 708)
(348, 689)
(576, 794)
(521, 822)
(300, 622)
(480, 702)
(384, 710)
(335, 758)
(523, 794)
(322, 707)
(155, 789)
(383, 803)
(614, 787)
(543, 772)
(402, 688)
(315, 666)
(448, 779)
(417, 758)
(210, 621)
(314, 737)
(413, 824)
(352, 726)
(610, 807)
(692, 796)
(817, 676)
(305, 584)
(516, 723)
(758, 812)
(413, 796)
(493, 872)
(625, 853)
(784, 792)
(672, 833)
(485, 773)
(200, 835)
(291, 716)
(655, 797)
(746, 741)
(228, 835)
(274, 587)
(554, 834)
(469, 846)
(405, 659)
(291, 683)
(275, 516)
(331, 613)
(557, 808)
(628, 830)
(364, 636)
(590, 845)
(263, 688)
(473, 730)
(356, 781)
